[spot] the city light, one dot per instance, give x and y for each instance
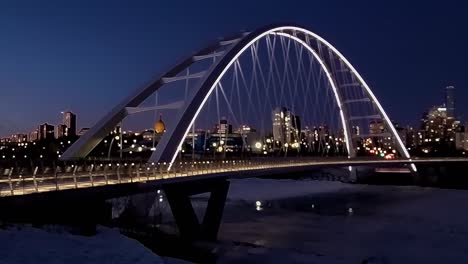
(258, 145)
(258, 206)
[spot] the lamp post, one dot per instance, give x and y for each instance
(110, 146)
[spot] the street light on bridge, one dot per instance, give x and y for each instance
(110, 146)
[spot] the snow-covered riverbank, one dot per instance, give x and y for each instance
(27, 245)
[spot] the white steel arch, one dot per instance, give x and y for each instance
(173, 139)
(283, 31)
(332, 83)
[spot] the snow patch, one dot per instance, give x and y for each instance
(27, 245)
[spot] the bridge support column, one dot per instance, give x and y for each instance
(178, 195)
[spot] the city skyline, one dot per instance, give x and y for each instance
(447, 101)
(233, 131)
(92, 75)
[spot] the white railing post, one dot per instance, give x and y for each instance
(118, 175)
(74, 177)
(105, 174)
(91, 175)
(9, 181)
(137, 172)
(56, 177)
(34, 178)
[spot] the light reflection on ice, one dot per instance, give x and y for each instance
(258, 206)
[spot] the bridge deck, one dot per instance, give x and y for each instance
(111, 174)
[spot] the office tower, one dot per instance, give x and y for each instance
(69, 119)
(286, 126)
(46, 131)
(450, 101)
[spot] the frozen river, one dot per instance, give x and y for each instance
(286, 221)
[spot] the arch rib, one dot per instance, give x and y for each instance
(177, 135)
(173, 139)
(86, 143)
(338, 99)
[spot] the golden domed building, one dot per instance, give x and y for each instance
(159, 126)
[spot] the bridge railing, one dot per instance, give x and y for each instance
(19, 181)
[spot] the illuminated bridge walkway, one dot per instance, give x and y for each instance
(16, 181)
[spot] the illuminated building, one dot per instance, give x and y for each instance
(379, 136)
(19, 138)
(46, 131)
(355, 131)
(286, 126)
(450, 101)
(376, 127)
(436, 126)
(69, 120)
(61, 130)
(223, 127)
(159, 126)
(34, 135)
(224, 142)
(461, 137)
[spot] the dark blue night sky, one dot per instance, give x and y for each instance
(87, 55)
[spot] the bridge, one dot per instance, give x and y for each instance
(297, 102)
(18, 182)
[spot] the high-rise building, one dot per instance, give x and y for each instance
(61, 130)
(356, 131)
(413, 137)
(439, 123)
(279, 126)
(69, 119)
(402, 133)
(286, 126)
(380, 136)
(461, 137)
(376, 127)
(46, 131)
(434, 124)
(223, 127)
(450, 101)
(296, 131)
(34, 135)
(19, 138)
